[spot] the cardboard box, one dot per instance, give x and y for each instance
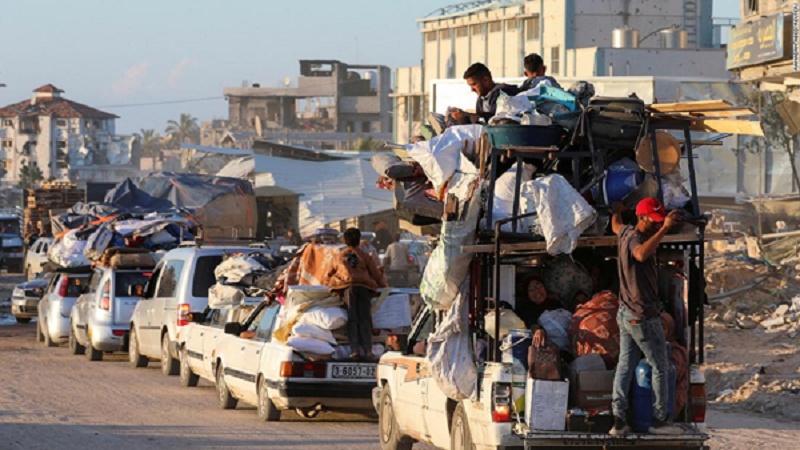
(546, 404)
(592, 389)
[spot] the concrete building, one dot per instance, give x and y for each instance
(577, 40)
(58, 135)
(332, 103)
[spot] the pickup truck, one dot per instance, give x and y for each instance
(271, 375)
(199, 339)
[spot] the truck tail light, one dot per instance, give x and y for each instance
(63, 287)
(698, 402)
(105, 303)
(291, 369)
(501, 402)
(183, 314)
(118, 332)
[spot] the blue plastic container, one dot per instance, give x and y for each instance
(515, 347)
(619, 184)
(525, 135)
(642, 396)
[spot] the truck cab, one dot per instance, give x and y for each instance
(12, 256)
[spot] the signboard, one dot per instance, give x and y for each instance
(758, 42)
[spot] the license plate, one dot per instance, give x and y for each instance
(353, 371)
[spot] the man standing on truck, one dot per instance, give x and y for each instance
(356, 278)
(639, 311)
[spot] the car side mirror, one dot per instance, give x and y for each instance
(233, 328)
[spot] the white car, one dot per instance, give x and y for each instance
(36, 257)
(177, 291)
(269, 374)
(56, 306)
(199, 339)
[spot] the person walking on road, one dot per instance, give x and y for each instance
(383, 237)
(355, 278)
(639, 311)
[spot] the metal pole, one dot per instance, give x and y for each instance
(796, 36)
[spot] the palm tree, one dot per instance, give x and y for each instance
(185, 130)
(150, 142)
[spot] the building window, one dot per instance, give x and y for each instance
(430, 36)
(350, 126)
(61, 123)
(8, 123)
(751, 7)
(7, 143)
(511, 25)
(555, 60)
(5, 164)
(495, 26)
(532, 28)
(366, 126)
(462, 31)
(444, 34)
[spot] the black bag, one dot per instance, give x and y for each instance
(615, 123)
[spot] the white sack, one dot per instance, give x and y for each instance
(556, 324)
(509, 320)
(220, 295)
(503, 206)
(162, 237)
(562, 213)
(329, 318)
(310, 345)
(68, 251)
(235, 268)
(440, 157)
(308, 330)
(297, 295)
(510, 107)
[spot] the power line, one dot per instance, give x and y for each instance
(164, 102)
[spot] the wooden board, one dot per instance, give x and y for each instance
(734, 112)
(702, 105)
(748, 127)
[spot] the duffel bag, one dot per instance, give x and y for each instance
(616, 123)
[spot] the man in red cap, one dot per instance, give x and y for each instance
(640, 309)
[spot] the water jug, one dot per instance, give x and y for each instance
(642, 395)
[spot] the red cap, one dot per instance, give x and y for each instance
(652, 208)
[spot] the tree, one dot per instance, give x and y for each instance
(150, 142)
(29, 175)
(184, 130)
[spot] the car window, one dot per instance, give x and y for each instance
(96, 277)
(44, 248)
(264, 329)
(257, 319)
(204, 274)
(76, 286)
(170, 279)
(124, 280)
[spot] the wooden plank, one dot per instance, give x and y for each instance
(702, 105)
(734, 112)
(748, 127)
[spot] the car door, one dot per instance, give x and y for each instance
(253, 354)
(412, 381)
(165, 311)
(83, 305)
(211, 332)
(146, 329)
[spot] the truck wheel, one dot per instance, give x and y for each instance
(267, 411)
(188, 378)
(169, 365)
(460, 437)
(74, 347)
(134, 358)
(23, 319)
(391, 438)
(46, 335)
(39, 334)
(92, 354)
(226, 400)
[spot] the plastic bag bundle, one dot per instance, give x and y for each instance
(556, 324)
(440, 157)
(329, 318)
(233, 269)
(309, 330)
(310, 345)
(98, 242)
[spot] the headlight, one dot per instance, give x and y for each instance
(18, 293)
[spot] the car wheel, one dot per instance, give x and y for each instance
(169, 365)
(39, 334)
(390, 435)
(46, 335)
(188, 378)
(460, 437)
(92, 354)
(23, 319)
(134, 358)
(75, 347)
(226, 400)
(267, 411)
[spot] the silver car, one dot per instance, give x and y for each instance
(25, 299)
(100, 320)
(56, 306)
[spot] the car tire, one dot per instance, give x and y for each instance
(188, 378)
(23, 319)
(92, 354)
(226, 400)
(267, 411)
(39, 333)
(460, 436)
(388, 428)
(46, 335)
(135, 359)
(169, 365)
(74, 346)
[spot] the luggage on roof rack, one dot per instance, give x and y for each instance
(128, 258)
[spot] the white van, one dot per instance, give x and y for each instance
(178, 288)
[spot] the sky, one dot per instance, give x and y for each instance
(115, 54)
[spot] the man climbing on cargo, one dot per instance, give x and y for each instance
(639, 311)
(356, 279)
(535, 72)
(479, 79)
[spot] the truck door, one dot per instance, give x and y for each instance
(412, 381)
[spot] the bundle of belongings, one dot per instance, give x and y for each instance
(241, 275)
(87, 243)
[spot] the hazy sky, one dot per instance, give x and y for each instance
(123, 52)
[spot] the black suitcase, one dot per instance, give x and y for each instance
(615, 123)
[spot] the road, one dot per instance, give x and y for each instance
(50, 399)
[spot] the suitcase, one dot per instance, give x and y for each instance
(615, 123)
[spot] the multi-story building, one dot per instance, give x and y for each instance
(56, 134)
(332, 103)
(577, 39)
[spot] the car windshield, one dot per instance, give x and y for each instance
(9, 227)
(125, 280)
